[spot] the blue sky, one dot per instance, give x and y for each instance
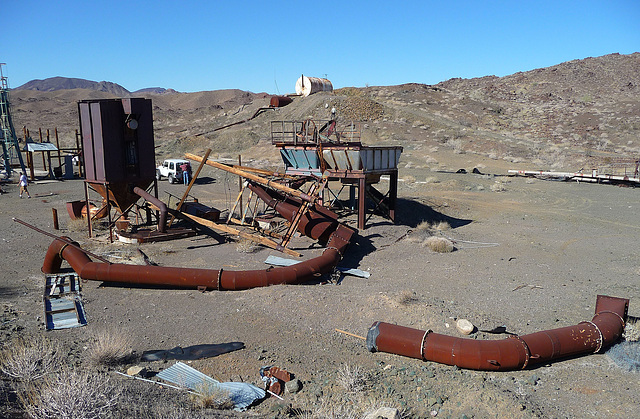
(264, 46)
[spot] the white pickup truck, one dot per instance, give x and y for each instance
(170, 168)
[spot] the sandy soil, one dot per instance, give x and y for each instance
(530, 255)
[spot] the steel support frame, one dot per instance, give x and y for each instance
(360, 178)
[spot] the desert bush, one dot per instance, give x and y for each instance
(77, 224)
(632, 329)
(246, 246)
(406, 297)
(498, 187)
(110, 347)
(439, 244)
(456, 145)
(352, 378)
(70, 394)
(211, 397)
(433, 226)
(28, 359)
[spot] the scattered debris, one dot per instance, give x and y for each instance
(192, 352)
(241, 394)
(351, 334)
(278, 261)
(63, 306)
(275, 379)
(628, 175)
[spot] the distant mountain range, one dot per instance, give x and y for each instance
(64, 83)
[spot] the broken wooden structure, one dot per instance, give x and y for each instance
(323, 149)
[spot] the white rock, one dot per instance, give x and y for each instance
(384, 412)
(464, 326)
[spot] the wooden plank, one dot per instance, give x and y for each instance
(193, 179)
(225, 228)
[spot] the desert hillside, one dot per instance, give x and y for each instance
(508, 255)
(569, 116)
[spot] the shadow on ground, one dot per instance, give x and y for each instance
(412, 213)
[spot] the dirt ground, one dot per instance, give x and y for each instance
(530, 255)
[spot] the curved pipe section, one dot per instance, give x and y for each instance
(162, 222)
(513, 353)
(211, 279)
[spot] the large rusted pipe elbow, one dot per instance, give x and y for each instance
(162, 222)
(513, 353)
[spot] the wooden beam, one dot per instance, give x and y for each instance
(225, 228)
(258, 179)
(193, 179)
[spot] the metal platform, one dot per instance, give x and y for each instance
(326, 149)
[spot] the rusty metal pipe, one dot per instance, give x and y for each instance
(191, 277)
(513, 353)
(318, 223)
(162, 222)
(339, 238)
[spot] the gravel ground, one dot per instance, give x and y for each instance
(530, 255)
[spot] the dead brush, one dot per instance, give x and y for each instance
(110, 347)
(439, 244)
(211, 397)
(632, 329)
(70, 394)
(406, 297)
(80, 224)
(246, 246)
(77, 224)
(426, 229)
(352, 379)
(28, 359)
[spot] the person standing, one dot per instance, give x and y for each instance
(23, 185)
(186, 168)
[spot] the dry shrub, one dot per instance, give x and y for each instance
(28, 359)
(71, 394)
(77, 224)
(80, 224)
(632, 329)
(211, 397)
(335, 408)
(433, 226)
(406, 297)
(246, 246)
(110, 347)
(439, 244)
(498, 186)
(352, 379)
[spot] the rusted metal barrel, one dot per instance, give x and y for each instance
(513, 353)
(280, 101)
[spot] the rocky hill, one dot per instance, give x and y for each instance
(571, 115)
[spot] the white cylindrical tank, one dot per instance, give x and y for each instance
(306, 86)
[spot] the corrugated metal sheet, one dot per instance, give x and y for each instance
(241, 394)
(63, 307)
(41, 147)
